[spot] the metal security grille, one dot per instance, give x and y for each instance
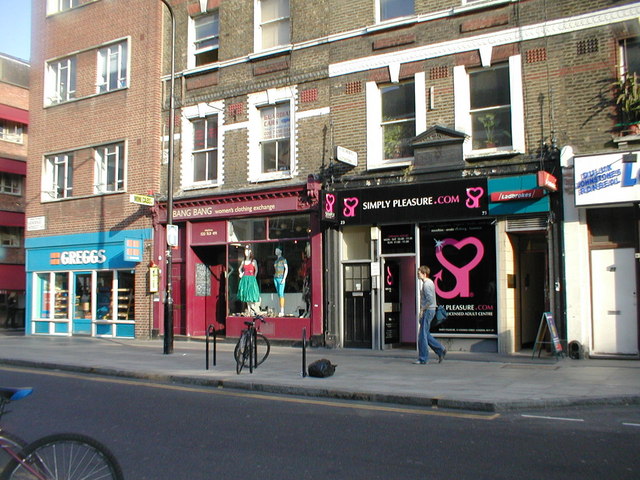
(527, 224)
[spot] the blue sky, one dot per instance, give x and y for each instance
(15, 28)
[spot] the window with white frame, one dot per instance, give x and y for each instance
(55, 6)
(10, 236)
(206, 40)
(630, 56)
(390, 9)
(271, 133)
(112, 67)
(205, 149)
(275, 142)
(489, 107)
(110, 168)
(10, 183)
(274, 24)
(58, 176)
(10, 131)
(61, 80)
(396, 113)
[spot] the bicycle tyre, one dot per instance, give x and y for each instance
(263, 347)
(240, 353)
(65, 456)
(16, 443)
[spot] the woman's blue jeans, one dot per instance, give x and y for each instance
(425, 339)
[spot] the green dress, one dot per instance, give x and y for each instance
(248, 290)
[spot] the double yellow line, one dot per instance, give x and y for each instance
(261, 396)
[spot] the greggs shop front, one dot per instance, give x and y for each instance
(276, 231)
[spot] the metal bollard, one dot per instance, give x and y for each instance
(304, 352)
(211, 332)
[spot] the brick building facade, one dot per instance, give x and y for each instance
(14, 135)
(451, 115)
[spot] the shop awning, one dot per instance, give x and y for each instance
(11, 219)
(14, 114)
(12, 277)
(17, 167)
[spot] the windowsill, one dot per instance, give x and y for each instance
(406, 162)
(199, 186)
(210, 67)
(272, 52)
(270, 177)
(77, 99)
(81, 197)
(490, 153)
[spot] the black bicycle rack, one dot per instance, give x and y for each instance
(211, 334)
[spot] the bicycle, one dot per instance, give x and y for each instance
(61, 456)
(252, 347)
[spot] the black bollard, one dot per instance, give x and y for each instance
(211, 332)
(304, 352)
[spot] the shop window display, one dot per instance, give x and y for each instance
(272, 254)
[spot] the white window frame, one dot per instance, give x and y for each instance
(10, 183)
(54, 187)
(56, 6)
(193, 50)
(189, 114)
(375, 137)
(59, 73)
(258, 43)
(256, 101)
(110, 157)
(379, 18)
(109, 57)
(11, 237)
(463, 110)
(11, 131)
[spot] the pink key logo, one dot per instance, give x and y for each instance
(350, 205)
(329, 201)
(461, 274)
(473, 197)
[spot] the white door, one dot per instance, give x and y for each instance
(613, 293)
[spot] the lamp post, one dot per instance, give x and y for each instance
(168, 302)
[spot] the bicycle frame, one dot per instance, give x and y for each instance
(4, 445)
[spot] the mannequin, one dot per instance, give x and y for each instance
(248, 290)
(280, 277)
(305, 273)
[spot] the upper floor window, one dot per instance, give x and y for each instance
(110, 168)
(274, 24)
(55, 6)
(205, 149)
(271, 130)
(489, 107)
(205, 39)
(396, 113)
(630, 56)
(275, 143)
(112, 67)
(61, 80)
(10, 131)
(10, 183)
(58, 176)
(389, 9)
(10, 236)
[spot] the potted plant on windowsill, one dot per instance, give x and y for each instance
(488, 121)
(628, 100)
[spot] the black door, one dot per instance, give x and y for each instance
(357, 305)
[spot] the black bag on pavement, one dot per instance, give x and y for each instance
(321, 368)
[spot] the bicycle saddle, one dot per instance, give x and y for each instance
(11, 394)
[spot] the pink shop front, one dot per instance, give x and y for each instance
(281, 230)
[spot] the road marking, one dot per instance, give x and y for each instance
(555, 418)
(259, 396)
(631, 424)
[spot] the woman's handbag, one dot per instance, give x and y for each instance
(441, 316)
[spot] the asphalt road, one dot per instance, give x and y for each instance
(176, 432)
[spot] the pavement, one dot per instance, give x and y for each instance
(475, 381)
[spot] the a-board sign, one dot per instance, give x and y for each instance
(547, 323)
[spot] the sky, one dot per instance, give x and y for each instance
(15, 28)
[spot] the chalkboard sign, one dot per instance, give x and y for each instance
(203, 280)
(547, 324)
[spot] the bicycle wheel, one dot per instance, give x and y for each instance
(241, 352)
(13, 441)
(263, 347)
(64, 456)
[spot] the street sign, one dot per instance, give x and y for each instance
(347, 156)
(141, 199)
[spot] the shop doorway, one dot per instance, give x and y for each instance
(82, 304)
(208, 306)
(357, 306)
(399, 301)
(532, 284)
